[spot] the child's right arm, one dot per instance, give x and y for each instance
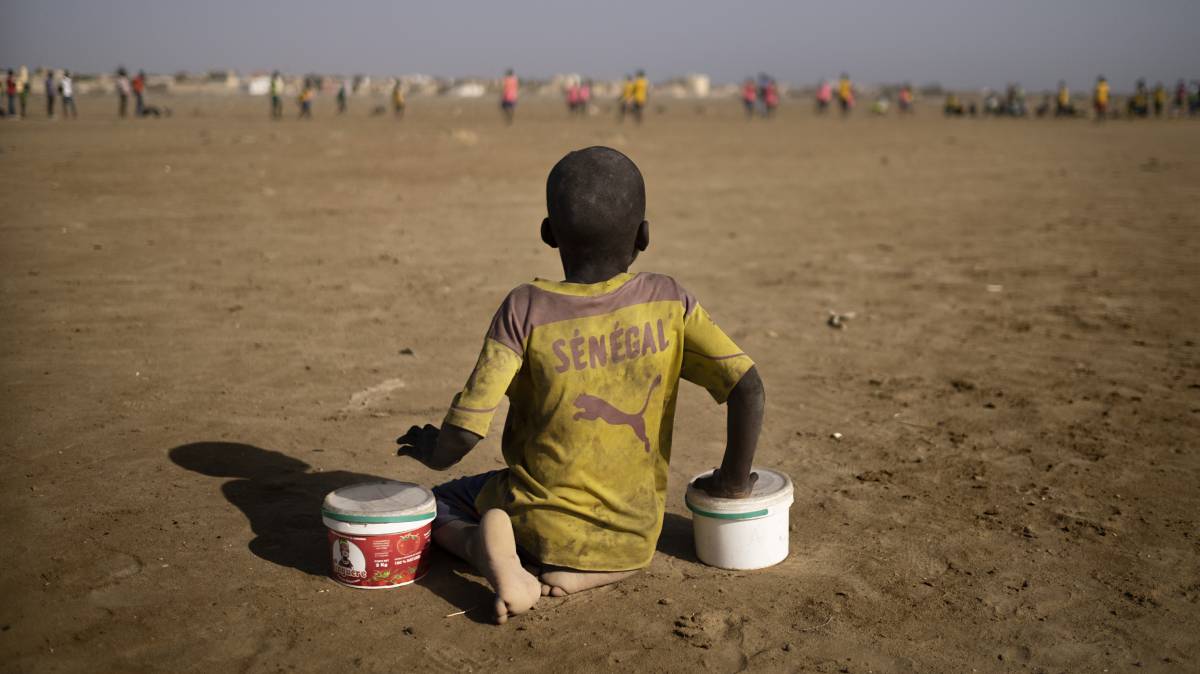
(743, 424)
(470, 414)
(438, 449)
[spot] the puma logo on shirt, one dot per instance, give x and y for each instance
(592, 408)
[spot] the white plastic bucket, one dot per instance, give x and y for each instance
(379, 533)
(744, 533)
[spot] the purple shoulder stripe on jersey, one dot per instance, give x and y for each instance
(474, 410)
(528, 306)
(686, 298)
(510, 326)
(705, 355)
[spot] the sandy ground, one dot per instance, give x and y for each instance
(209, 321)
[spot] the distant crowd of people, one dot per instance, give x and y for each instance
(1183, 101)
(308, 93)
(578, 93)
(763, 97)
(760, 97)
(59, 92)
(635, 94)
(135, 88)
(631, 101)
(59, 87)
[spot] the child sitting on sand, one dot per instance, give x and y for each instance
(591, 366)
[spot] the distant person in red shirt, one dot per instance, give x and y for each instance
(585, 96)
(10, 88)
(139, 90)
(824, 96)
(572, 97)
(508, 95)
(905, 98)
(770, 98)
(749, 96)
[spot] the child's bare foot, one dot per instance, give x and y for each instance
(495, 553)
(559, 582)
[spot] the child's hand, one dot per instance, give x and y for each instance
(717, 486)
(419, 442)
(437, 448)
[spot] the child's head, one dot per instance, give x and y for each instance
(596, 205)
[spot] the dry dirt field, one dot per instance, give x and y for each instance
(209, 321)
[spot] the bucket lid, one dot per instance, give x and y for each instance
(772, 489)
(384, 501)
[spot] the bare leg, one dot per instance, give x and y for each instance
(491, 548)
(559, 582)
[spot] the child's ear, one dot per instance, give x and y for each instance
(642, 239)
(548, 234)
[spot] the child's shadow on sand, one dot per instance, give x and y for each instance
(282, 500)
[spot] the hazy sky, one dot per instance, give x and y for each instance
(965, 43)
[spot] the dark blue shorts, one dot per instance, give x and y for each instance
(456, 499)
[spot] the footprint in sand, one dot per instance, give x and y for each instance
(706, 628)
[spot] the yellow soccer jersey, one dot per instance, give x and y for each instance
(592, 373)
(640, 90)
(627, 91)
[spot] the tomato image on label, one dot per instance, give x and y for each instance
(407, 544)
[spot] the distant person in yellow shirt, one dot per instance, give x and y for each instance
(591, 366)
(1160, 99)
(641, 93)
(1139, 102)
(953, 107)
(1063, 107)
(626, 103)
(305, 99)
(845, 94)
(1100, 98)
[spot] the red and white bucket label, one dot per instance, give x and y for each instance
(386, 560)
